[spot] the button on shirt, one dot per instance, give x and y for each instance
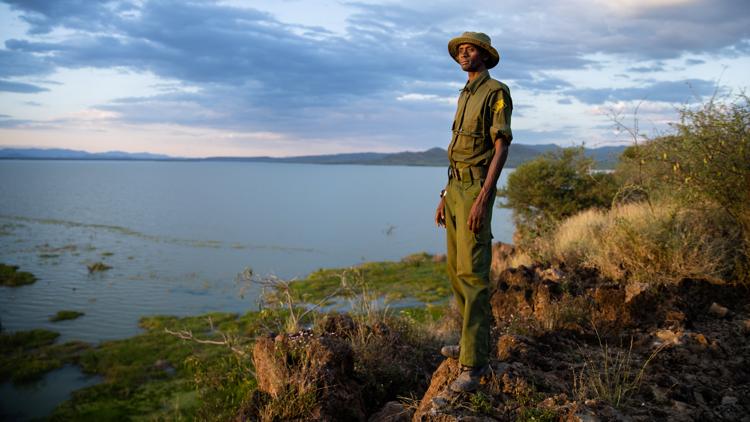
(482, 115)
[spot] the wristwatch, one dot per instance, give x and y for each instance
(442, 193)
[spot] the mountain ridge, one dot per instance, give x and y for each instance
(605, 157)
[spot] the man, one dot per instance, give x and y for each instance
(477, 153)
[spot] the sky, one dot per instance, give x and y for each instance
(298, 77)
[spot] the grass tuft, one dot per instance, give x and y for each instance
(660, 245)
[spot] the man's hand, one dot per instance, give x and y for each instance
(477, 213)
(440, 213)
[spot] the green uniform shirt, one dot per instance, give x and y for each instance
(483, 115)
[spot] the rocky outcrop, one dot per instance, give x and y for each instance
(682, 352)
(301, 364)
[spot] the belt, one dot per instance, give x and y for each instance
(467, 173)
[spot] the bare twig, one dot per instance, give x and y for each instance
(226, 340)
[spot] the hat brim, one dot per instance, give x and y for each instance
(491, 62)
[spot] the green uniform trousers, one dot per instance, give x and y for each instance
(468, 260)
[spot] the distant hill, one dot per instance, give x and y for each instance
(70, 154)
(606, 157)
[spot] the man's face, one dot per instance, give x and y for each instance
(471, 58)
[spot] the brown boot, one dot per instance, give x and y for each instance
(469, 379)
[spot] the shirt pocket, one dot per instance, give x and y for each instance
(471, 137)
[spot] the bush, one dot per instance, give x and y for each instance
(662, 245)
(704, 164)
(548, 189)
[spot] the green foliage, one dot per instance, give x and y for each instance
(154, 374)
(705, 163)
(535, 414)
(550, 188)
(416, 276)
(28, 355)
(480, 403)
(223, 385)
(11, 277)
(65, 315)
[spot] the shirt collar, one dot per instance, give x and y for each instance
(474, 84)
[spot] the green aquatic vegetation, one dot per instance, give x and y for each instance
(66, 315)
(26, 340)
(415, 276)
(48, 255)
(98, 267)
(6, 229)
(11, 277)
(424, 314)
(160, 376)
(107, 253)
(28, 355)
(46, 248)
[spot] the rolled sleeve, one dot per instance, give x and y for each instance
(502, 107)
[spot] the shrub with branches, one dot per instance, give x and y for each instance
(550, 188)
(703, 165)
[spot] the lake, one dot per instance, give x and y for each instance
(176, 234)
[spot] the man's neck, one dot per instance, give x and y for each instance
(473, 75)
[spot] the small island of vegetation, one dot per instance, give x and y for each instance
(65, 315)
(11, 277)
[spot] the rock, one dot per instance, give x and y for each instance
(701, 339)
(393, 411)
(609, 310)
(551, 274)
(681, 407)
(718, 310)
(501, 253)
(633, 289)
(512, 347)
(746, 326)
(438, 258)
(675, 318)
(519, 277)
(728, 400)
(303, 364)
(441, 378)
(585, 416)
(669, 336)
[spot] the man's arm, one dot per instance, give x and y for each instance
(479, 208)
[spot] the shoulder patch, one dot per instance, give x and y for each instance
(499, 104)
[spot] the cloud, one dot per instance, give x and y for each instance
(655, 67)
(18, 63)
(20, 87)
(386, 75)
(690, 90)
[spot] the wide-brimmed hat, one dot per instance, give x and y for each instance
(479, 39)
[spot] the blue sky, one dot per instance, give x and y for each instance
(289, 77)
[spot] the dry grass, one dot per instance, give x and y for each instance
(519, 258)
(659, 245)
(612, 374)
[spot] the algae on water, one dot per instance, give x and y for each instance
(98, 267)
(65, 315)
(10, 276)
